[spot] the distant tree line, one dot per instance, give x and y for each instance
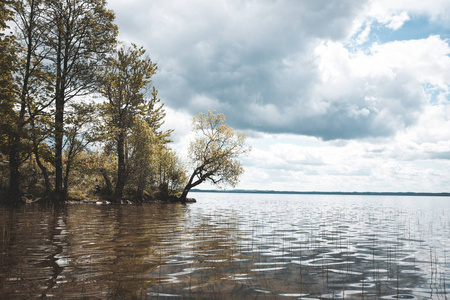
(78, 114)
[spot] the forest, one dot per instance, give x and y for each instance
(80, 118)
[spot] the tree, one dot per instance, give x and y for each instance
(31, 94)
(151, 163)
(80, 34)
(7, 59)
(171, 173)
(78, 135)
(214, 152)
(142, 155)
(126, 77)
(7, 64)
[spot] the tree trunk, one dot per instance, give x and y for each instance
(59, 115)
(59, 127)
(66, 178)
(121, 170)
(70, 158)
(191, 184)
(14, 155)
(107, 181)
(186, 190)
(14, 180)
(140, 192)
(188, 187)
(44, 172)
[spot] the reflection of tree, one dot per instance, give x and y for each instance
(133, 247)
(83, 250)
(207, 261)
(111, 249)
(56, 238)
(31, 242)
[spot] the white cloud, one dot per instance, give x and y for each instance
(391, 18)
(363, 36)
(437, 10)
(382, 86)
(397, 21)
(416, 159)
(181, 123)
(407, 162)
(361, 115)
(240, 56)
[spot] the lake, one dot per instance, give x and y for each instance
(230, 246)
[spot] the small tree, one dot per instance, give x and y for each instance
(171, 174)
(214, 152)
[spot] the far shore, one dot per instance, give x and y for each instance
(421, 194)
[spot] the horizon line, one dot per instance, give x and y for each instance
(245, 191)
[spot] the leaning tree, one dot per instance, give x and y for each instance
(214, 152)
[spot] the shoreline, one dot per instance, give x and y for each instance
(416, 194)
(30, 199)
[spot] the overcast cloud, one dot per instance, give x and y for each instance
(314, 83)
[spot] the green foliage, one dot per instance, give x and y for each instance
(130, 122)
(152, 164)
(142, 158)
(124, 81)
(214, 152)
(7, 65)
(125, 78)
(80, 35)
(59, 45)
(61, 52)
(5, 14)
(154, 116)
(171, 172)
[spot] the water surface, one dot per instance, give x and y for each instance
(230, 246)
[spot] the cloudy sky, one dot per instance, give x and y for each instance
(334, 95)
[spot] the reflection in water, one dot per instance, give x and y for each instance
(230, 246)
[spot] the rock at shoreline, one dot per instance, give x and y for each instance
(190, 200)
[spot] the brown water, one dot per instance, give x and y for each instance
(230, 246)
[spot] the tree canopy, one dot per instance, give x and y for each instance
(128, 116)
(214, 152)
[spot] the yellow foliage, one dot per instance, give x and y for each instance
(215, 151)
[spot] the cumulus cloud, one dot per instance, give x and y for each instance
(283, 67)
(413, 160)
(328, 105)
(391, 18)
(437, 10)
(379, 91)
